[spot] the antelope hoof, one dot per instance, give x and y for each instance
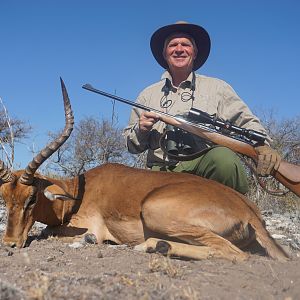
(10, 244)
(162, 247)
(90, 238)
(153, 245)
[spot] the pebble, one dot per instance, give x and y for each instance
(50, 258)
(278, 236)
(99, 254)
(76, 245)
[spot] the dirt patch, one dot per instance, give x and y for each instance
(51, 269)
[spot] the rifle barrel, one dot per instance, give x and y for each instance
(179, 121)
(89, 87)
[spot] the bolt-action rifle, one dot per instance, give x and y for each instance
(238, 139)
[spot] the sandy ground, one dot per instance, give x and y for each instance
(51, 269)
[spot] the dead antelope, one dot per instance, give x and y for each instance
(177, 214)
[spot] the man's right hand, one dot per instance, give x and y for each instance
(147, 120)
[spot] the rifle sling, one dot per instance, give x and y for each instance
(260, 180)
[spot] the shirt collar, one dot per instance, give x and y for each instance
(168, 78)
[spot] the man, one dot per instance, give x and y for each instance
(181, 49)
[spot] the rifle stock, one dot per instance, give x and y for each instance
(287, 174)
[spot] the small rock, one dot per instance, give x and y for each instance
(26, 258)
(61, 252)
(278, 236)
(76, 245)
(118, 246)
(50, 258)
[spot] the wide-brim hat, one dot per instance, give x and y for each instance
(198, 33)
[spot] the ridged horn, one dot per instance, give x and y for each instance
(28, 176)
(5, 174)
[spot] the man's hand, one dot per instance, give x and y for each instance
(268, 160)
(147, 120)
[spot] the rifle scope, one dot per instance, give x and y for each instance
(200, 116)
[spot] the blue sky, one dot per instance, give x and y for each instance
(255, 48)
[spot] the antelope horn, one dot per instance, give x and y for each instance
(5, 174)
(28, 176)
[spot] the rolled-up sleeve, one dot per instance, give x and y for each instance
(136, 141)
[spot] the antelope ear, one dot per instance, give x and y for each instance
(54, 192)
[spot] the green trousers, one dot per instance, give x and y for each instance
(219, 164)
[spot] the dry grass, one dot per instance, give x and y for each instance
(189, 293)
(39, 286)
(277, 204)
(165, 266)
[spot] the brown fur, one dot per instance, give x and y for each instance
(196, 216)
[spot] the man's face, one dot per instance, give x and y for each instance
(179, 53)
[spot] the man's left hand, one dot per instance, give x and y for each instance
(268, 160)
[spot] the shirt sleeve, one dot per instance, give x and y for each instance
(136, 141)
(232, 108)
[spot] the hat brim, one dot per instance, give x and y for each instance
(199, 34)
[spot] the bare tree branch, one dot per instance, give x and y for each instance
(92, 143)
(11, 130)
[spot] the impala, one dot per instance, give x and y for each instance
(176, 214)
